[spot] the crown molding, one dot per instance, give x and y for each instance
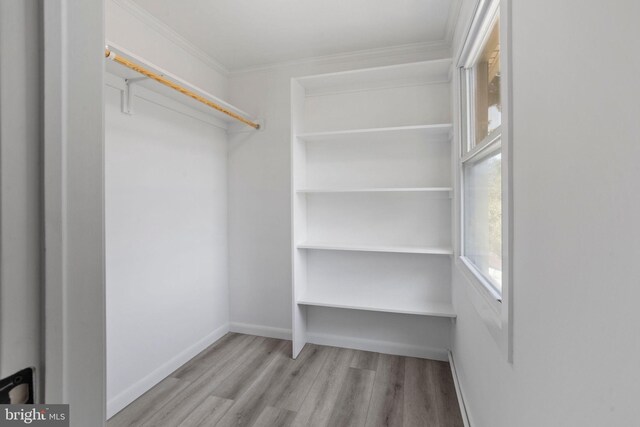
(386, 52)
(167, 32)
(367, 54)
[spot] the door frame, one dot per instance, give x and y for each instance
(73, 162)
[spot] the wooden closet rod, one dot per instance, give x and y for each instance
(160, 79)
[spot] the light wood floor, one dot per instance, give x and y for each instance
(244, 380)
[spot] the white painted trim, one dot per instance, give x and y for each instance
(298, 258)
(497, 316)
(54, 182)
(168, 33)
(260, 330)
(507, 176)
(73, 161)
(456, 383)
(479, 31)
(137, 389)
(483, 284)
(488, 146)
(385, 347)
(362, 55)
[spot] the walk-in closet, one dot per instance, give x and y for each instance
(337, 213)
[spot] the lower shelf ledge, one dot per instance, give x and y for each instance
(377, 248)
(427, 309)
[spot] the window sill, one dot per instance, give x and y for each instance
(482, 283)
(486, 304)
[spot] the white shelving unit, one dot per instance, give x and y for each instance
(371, 188)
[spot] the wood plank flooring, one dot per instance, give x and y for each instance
(243, 380)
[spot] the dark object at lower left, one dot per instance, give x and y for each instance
(17, 389)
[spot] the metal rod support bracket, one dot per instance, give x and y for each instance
(128, 94)
(127, 98)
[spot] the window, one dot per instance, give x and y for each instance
(481, 154)
(483, 217)
(485, 72)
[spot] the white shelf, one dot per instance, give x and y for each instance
(416, 307)
(411, 74)
(377, 248)
(378, 190)
(441, 130)
(371, 208)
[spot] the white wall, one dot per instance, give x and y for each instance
(166, 216)
(166, 242)
(260, 204)
(130, 27)
(576, 238)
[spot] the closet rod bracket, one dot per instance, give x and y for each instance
(133, 80)
(128, 94)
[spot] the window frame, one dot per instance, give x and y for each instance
(491, 145)
(494, 308)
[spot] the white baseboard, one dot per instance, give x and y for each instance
(456, 383)
(386, 347)
(344, 341)
(119, 402)
(259, 330)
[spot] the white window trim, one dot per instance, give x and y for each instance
(495, 312)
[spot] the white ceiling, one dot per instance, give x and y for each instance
(249, 33)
